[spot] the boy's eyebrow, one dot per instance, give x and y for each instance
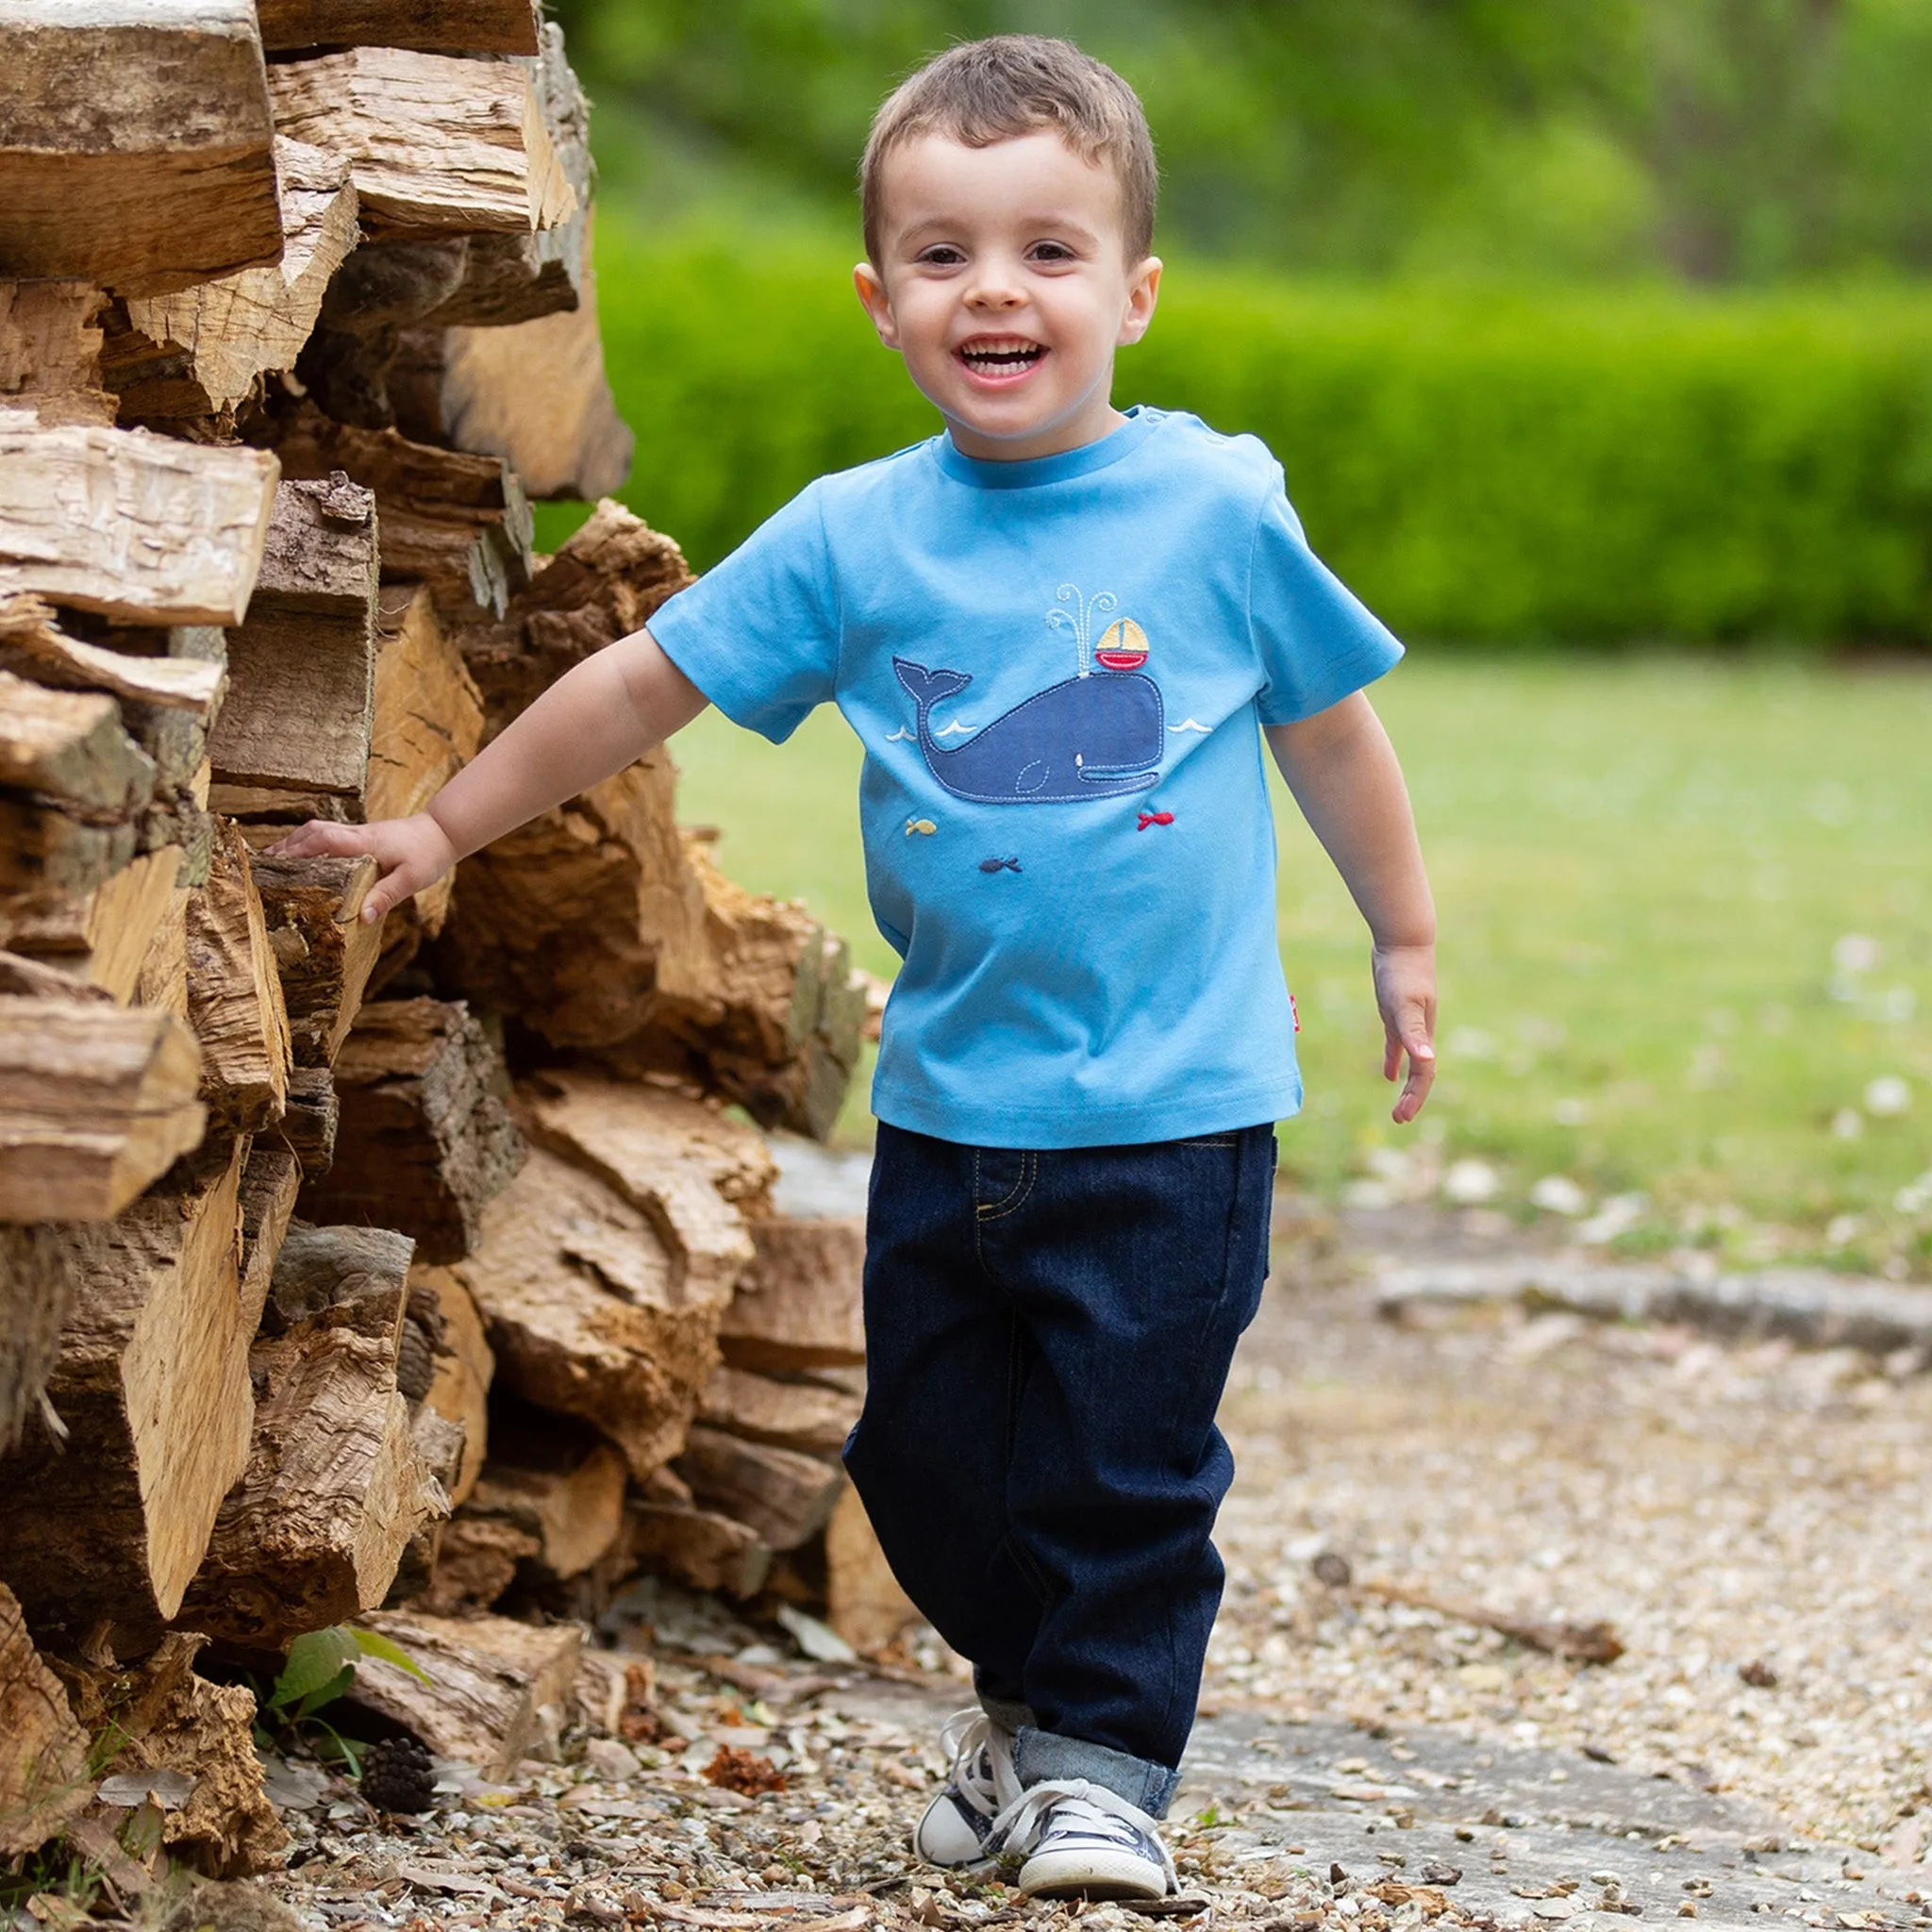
(1058, 223)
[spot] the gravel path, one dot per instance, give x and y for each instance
(1362, 1762)
(1728, 1510)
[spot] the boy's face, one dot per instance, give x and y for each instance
(1003, 281)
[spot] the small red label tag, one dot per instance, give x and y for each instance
(1296, 1011)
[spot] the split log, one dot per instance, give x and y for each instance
(269, 1185)
(810, 1417)
(47, 855)
(429, 711)
(153, 1388)
(778, 1025)
(576, 1288)
(474, 1563)
(136, 146)
(105, 937)
(604, 583)
(200, 351)
(133, 526)
(163, 1717)
(478, 26)
(235, 995)
(534, 394)
(312, 1533)
(695, 1174)
(436, 146)
(707, 1549)
(784, 1498)
(302, 670)
(576, 920)
(423, 1140)
(50, 351)
(43, 1769)
(428, 724)
(94, 1103)
(459, 1391)
(161, 980)
(354, 1279)
(34, 646)
(508, 279)
(865, 1602)
(41, 1267)
(459, 524)
(801, 1305)
(486, 1680)
(322, 944)
(567, 1496)
(70, 747)
(313, 1114)
(35, 979)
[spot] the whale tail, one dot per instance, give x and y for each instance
(927, 688)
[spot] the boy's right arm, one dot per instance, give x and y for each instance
(601, 716)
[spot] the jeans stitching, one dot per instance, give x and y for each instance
(998, 1210)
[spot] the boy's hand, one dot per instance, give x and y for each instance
(413, 853)
(1406, 992)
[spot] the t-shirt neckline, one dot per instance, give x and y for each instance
(1060, 468)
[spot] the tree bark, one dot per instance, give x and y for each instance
(132, 525)
(423, 1140)
(235, 995)
(322, 945)
(136, 147)
(43, 1780)
(94, 1103)
(476, 27)
(436, 146)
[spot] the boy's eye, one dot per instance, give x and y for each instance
(941, 255)
(1051, 251)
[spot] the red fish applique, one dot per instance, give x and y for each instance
(1154, 818)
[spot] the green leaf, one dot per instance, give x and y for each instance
(314, 1659)
(327, 1694)
(374, 1643)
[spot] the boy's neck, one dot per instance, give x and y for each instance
(1091, 423)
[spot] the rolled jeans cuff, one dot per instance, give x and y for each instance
(1039, 1755)
(1008, 1713)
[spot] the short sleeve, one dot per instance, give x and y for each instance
(1316, 641)
(759, 634)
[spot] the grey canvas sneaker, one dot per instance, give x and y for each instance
(1082, 1840)
(957, 1826)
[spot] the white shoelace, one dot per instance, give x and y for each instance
(982, 1773)
(1085, 1808)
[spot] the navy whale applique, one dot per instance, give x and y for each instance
(1092, 737)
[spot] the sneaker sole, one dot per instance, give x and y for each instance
(1092, 1874)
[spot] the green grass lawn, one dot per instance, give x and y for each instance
(1685, 916)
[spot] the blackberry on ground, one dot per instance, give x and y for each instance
(398, 1775)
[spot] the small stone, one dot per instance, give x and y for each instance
(1332, 1568)
(1688, 1909)
(604, 1758)
(1436, 1873)
(1759, 1675)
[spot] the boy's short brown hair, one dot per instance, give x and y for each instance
(1013, 84)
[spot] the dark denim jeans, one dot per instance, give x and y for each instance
(1047, 1335)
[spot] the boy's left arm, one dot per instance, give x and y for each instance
(1343, 774)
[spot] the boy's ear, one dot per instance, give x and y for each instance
(1143, 292)
(876, 302)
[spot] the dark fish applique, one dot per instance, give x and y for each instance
(999, 865)
(1154, 818)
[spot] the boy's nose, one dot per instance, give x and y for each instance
(995, 291)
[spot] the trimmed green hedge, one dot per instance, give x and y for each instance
(1496, 468)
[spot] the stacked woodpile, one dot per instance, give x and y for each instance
(430, 1264)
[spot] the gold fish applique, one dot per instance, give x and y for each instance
(924, 828)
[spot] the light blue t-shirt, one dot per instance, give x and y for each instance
(1057, 669)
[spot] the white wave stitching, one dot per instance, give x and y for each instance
(1190, 725)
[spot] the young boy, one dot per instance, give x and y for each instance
(1061, 633)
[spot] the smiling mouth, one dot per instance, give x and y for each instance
(1003, 356)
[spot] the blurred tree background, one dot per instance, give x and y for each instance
(1716, 141)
